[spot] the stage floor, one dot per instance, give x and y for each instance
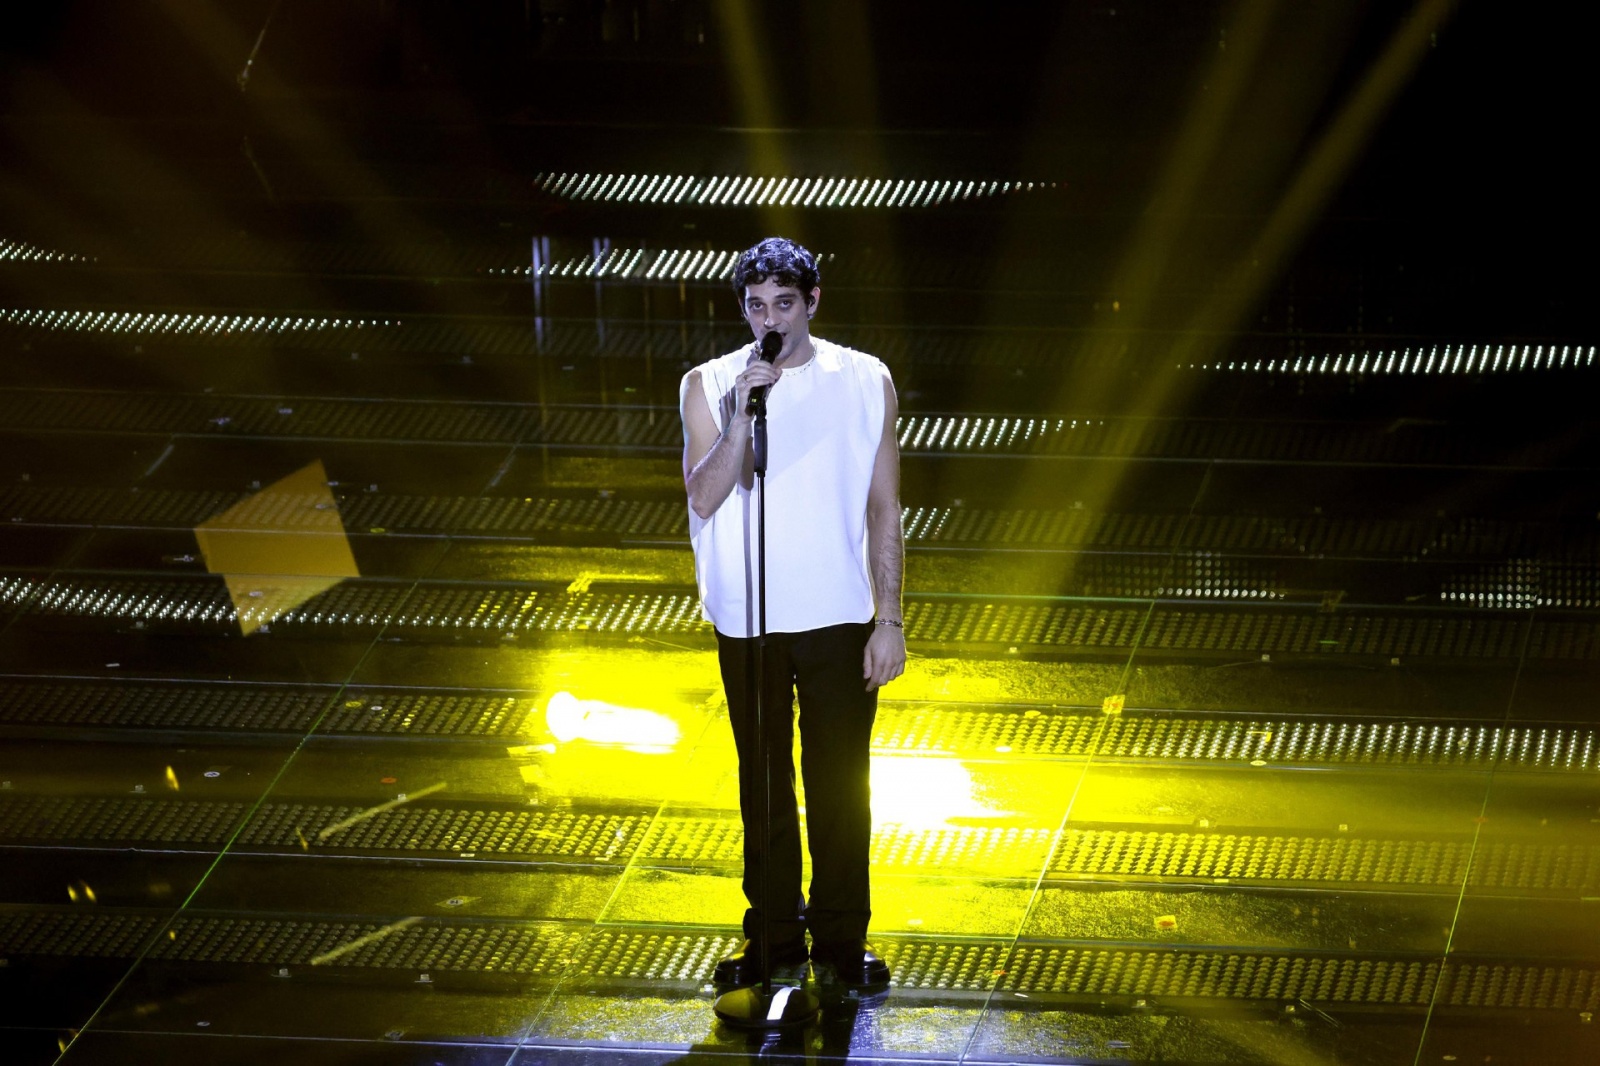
(475, 802)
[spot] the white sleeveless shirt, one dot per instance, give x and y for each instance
(824, 425)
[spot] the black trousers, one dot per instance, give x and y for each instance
(822, 666)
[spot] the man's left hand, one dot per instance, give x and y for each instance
(885, 659)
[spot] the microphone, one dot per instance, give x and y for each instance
(771, 345)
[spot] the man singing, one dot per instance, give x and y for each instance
(834, 564)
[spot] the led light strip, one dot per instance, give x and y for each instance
(1524, 583)
(747, 191)
(521, 611)
(22, 251)
(1460, 359)
(146, 322)
(668, 264)
(977, 432)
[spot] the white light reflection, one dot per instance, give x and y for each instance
(925, 793)
(634, 729)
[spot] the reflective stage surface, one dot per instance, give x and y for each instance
(355, 704)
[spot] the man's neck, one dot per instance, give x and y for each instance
(802, 355)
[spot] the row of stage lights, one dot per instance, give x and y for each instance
(687, 264)
(669, 264)
(749, 191)
(1484, 359)
(975, 432)
(149, 322)
(23, 252)
(203, 604)
(701, 265)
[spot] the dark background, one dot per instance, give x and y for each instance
(1464, 215)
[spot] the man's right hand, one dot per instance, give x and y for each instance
(757, 372)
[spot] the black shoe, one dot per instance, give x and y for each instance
(853, 963)
(743, 967)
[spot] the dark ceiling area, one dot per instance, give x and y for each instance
(1450, 199)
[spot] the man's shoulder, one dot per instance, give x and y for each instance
(718, 363)
(852, 357)
(719, 366)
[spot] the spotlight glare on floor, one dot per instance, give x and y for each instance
(569, 718)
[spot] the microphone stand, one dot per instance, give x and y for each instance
(761, 1006)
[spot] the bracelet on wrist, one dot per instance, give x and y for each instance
(889, 622)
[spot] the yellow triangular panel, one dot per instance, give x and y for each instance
(280, 547)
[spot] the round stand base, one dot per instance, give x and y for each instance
(752, 1008)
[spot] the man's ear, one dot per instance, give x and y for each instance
(812, 299)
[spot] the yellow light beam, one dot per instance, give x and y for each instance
(1317, 180)
(1228, 77)
(753, 94)
(1138, 275)
(323, 148)
(1136, 280)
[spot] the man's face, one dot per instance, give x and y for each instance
(772, 307)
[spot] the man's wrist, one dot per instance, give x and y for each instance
(896, 622)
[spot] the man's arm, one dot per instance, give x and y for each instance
(885, 657)
(713, 462)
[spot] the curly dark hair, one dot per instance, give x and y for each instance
(780, 259)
